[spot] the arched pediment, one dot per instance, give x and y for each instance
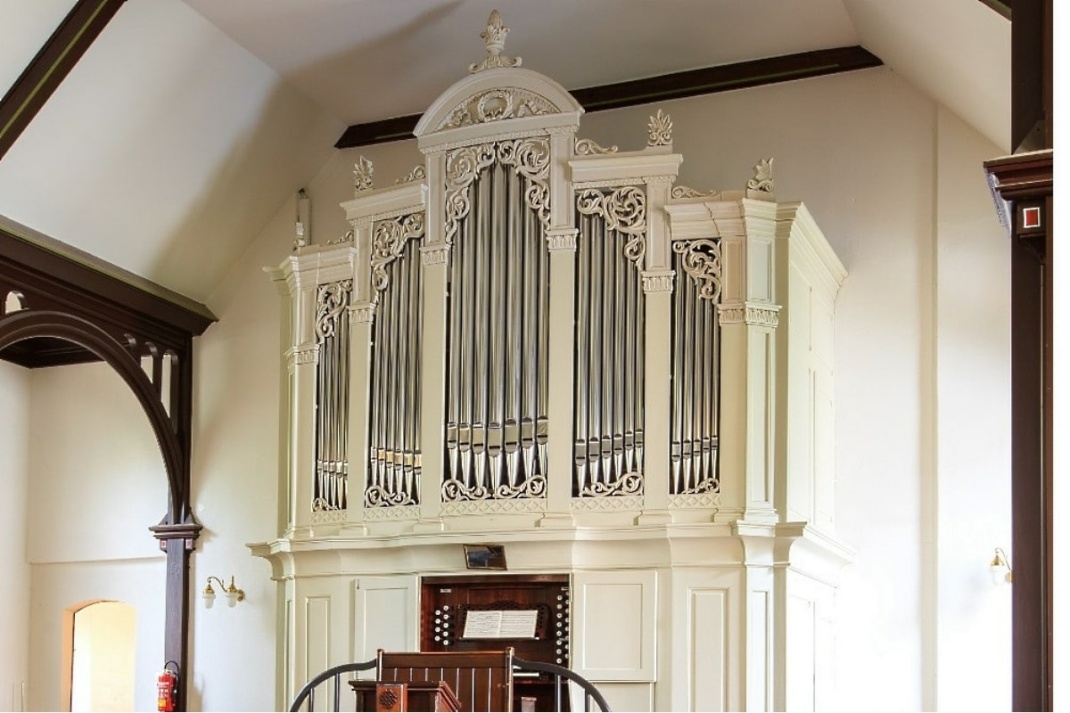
(501, 94)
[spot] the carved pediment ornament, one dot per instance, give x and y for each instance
(587, 147)
(701, 260)
(496, 105)
(494, 39)
(388, 243)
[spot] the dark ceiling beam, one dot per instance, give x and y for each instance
(677, 85)
(1003, 7)
(53, 62)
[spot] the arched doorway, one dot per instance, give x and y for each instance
(99, 657)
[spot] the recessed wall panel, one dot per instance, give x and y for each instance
(614, 640)
(708, 649)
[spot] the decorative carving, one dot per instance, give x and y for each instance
(376, 496)
(587, 147)
(707, 485)
(321, 505)
(418, 173)
(705, 500)
(401, 512)
(624, 210)
(363, 313)
(530, 158)
(481, 507)
(494, 39)
(331, 299)
(347, 238)
(763, 177)
(455, 490)
(388, 244)
(627, 484)
(659, 130)
(701, 260)
(661, 281)
(434, 255)
(302, 355)
(754, 315)
(496, 105)
(688, 192)
(561, 239)
(620, 502)
(362, 175)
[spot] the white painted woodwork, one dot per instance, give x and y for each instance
(713, 601)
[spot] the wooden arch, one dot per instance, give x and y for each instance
(68, 308)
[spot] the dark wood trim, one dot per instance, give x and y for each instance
(1003, 7)
(1031, 76)
(677, 85)
(71, 312)
(1021, 183)
(50, 67)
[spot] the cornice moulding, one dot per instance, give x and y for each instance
(632, 166)
(391, 201)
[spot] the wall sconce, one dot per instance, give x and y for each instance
(232, 593)
(1000, 569)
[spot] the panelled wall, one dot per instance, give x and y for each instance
(537, 341)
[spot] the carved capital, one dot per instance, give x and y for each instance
(658, 281)
(755, 315)
(301, 355)
(363, 313)
(434, 254)
(561, 239)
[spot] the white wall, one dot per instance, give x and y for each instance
(97, 483)
(15, 584)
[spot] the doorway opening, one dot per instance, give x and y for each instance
(100, 656)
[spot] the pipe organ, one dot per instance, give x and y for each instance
(536, 341)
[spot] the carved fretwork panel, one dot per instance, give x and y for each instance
(496, 430)
(610, 309)
(695, 368)
(394, 460)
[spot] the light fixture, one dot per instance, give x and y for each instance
(1000, 569)
(232, 593)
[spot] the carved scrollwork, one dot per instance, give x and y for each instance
(659, 130)
(530, 158)
(701, 260)
(624, 210)
(418, 173)
(688, 192)
(454, 490)
(376, 496)
(331, 301)
(533, 487)
(388, 244)
(627, 484)
(321, 505)
(587, 147)
(708, 485)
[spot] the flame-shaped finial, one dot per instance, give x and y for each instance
(494, 39)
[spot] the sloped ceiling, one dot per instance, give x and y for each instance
(189, 122)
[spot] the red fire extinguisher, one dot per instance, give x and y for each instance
(167, 687)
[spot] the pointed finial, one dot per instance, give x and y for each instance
(362, 174)
(659, 130)
(763, 177)
(494, 40)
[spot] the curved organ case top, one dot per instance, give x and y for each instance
(535, 326)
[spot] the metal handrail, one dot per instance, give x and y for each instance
(309, 691)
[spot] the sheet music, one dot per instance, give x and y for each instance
(499, 624)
